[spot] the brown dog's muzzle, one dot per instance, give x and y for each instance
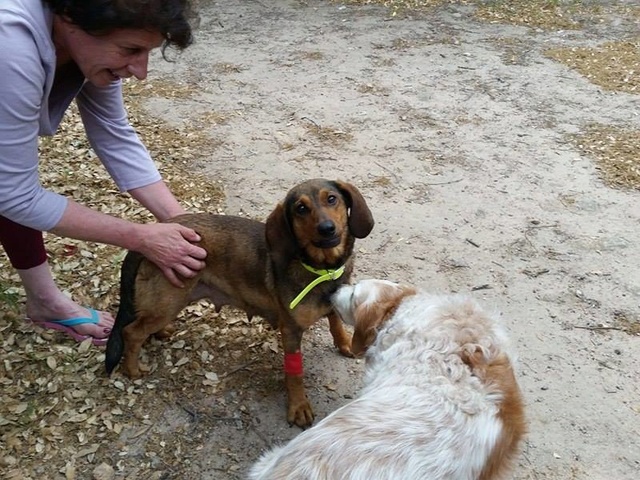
(327, 230)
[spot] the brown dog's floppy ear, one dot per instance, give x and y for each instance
(360, 217)
(278, 233)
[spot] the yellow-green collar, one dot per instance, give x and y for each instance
(323, 276)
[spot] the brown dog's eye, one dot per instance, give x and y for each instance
(332, 199)
(301, 209)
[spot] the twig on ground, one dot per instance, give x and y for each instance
(387, 170)
(587, 327)
(444, 183)
(468, 240)
(237, 369)
(310, 120)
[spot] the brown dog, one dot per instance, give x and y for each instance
(261, 268)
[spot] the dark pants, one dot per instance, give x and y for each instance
(24, 245)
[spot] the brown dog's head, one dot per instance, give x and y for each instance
(318, 221)
(367, 305)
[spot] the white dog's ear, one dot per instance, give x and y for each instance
(370, 315)
(368, 318)
(362, 339)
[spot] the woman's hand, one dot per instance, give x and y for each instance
(168, 245)
(171, 247)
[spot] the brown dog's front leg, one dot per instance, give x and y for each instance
(299, 410)
(341, 338)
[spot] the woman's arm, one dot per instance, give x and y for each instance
(168, 245)
(158, 199)
(23, 83)
(130, 165)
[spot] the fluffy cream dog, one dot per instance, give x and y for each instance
(440, 400)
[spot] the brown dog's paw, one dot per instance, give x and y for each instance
(135, 372)
(341, 338)
(345, 349)
(343, 344)
(300, 414)
(165, 333)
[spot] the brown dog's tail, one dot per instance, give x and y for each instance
(126, 312)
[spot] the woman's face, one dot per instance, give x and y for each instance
(105, 58)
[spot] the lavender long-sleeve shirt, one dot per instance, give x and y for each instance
(32, 103)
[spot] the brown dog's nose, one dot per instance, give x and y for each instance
(327, 228)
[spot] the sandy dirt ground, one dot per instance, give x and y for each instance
(456, 132)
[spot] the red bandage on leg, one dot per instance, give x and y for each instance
(293, 363)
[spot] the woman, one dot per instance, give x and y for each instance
(57, 51)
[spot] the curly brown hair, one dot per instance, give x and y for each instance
(97, 17)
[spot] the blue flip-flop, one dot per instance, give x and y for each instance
(66, 324)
